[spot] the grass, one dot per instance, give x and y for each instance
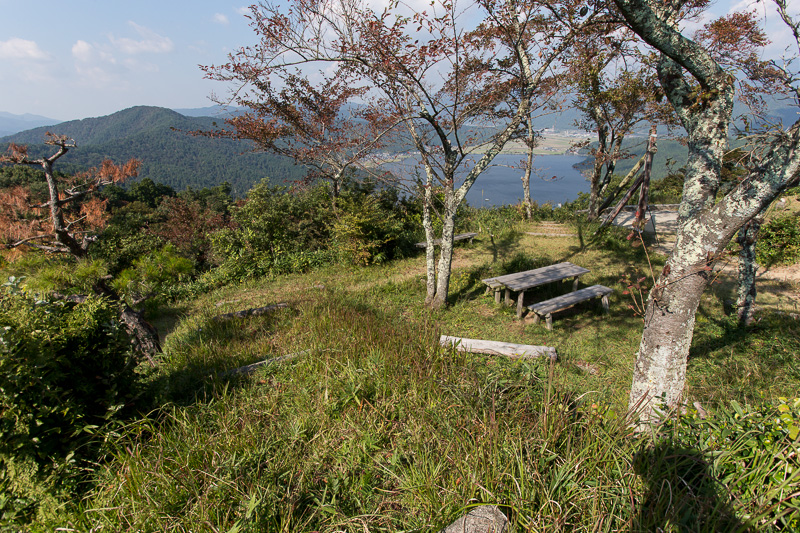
(377, 428)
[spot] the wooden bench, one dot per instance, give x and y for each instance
(521, 281)
(521, 351)
(548, 307)
(460, 237)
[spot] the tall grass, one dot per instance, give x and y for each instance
(374, 427)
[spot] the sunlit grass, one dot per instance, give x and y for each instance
(374, 427)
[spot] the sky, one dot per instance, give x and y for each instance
(88, 58)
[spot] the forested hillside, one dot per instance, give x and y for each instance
(169, 155)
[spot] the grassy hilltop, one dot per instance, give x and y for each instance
(371, 426)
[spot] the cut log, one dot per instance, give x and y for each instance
(516, 351)
(256, 311)
(247, 369)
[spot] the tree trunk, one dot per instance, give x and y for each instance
(526, 177)
(597, 172)
(144, 335)
(60, 229)
(746, 291)
(445, 252)
(644, 191)
(430, 238)
(660, 370)
(611, 166)
(704, 227)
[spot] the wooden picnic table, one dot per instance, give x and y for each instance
(522, 281)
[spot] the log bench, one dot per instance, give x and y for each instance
(548, 307)
(456, 238)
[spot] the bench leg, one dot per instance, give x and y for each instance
(519, 303)
(575, 285)
(536, 317)
(549, 321)
(605, 303)
(508, 297)
(497, 296)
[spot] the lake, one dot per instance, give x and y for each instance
(554, 180)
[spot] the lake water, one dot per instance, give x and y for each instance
(554, 180)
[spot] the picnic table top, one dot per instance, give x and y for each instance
(521, 281)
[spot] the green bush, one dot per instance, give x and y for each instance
(66, 372)
(754, 452)
(154, 272)
(779, 241)
(363, 232)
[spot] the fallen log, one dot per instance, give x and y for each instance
(247, 369)
(515, 351)
(256, 311)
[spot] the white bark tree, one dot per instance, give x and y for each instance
(437, 73)
(701, 91)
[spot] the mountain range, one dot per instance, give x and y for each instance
(169, 154)
(11, 123)
(160, 138)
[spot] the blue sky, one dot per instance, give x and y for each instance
(82, 58)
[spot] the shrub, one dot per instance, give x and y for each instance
(363, 232)
(66, 372)
(754, 453)
(154, 272)
(779, 241)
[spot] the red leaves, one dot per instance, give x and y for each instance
(16, 153)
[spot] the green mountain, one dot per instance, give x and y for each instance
(169, 154)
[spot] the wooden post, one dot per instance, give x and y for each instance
(575, 284)
(508, 297)
(520, 297)
(604, 299)
(497, 296)
(549, 323)
(652, 148)
(621, 204)
(636, 168)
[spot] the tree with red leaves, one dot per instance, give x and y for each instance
(315, 125)
(22, 225)
(445, 81)
(616, 90)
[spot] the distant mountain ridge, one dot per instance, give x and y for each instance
(160, 138)
(11, 123)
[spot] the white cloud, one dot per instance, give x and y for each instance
(94, 65)
(243, 10)
(21, 49)
(151, 42)
(82, 51)
(219, 18)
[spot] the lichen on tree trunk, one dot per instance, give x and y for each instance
(746, 288)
